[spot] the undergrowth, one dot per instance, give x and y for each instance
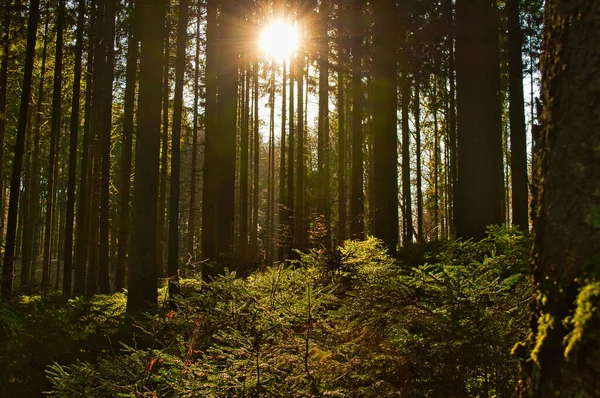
(355, 323)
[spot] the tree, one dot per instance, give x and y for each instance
(323, 126)
(480, 185)
(126, 150)
(173, 249)
(210, 184)
(15, 185)
(227, 121)
(357, 225)
(518, 146)
(74, 131)
(385, 152)
(561, 358)
(142, 275)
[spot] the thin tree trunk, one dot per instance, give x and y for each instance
(104, 135)
(323, 132)
(357, 195)
(518, 146)
(418, 149)
(194, 169)
(342, 60)
(126, 151)
(15, 186)
(83, 208)
(74, 130)
(5, 42)
(244, 168)
(174, 195)
(282, 169)
(54, 136)
(162, 182)
(29, 253)
(300, 227)
(290, 222)
(211, 141)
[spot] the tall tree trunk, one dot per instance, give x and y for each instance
(357, 196)
(29, 253)
(162, 182)
(270, 236)
(142, 285)
(407, 220)
(54, 136)
(83, 208)
(227, 123)
(5, 43)
(323, 132)
(341, 109)
(418, 149)
(194, 169)
(105, 133)
(74, 131)
(244, 157)
(480, 184)
(256, 161)
(174, 195)
(562, 355)
(290, 223)
(386, 136)
(518, 146)
(126, 151)
(210, 185)
(300, 224)
(15, 185)
(451, 118)
(283, 211)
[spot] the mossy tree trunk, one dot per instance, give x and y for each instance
(562, 356)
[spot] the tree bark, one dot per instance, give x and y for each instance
(173, 251)
(357, 195)
(386, 137)
(562, 355)
(142, 294)
(480, 185)
(74, 131)
(518, 146)
(15, 185)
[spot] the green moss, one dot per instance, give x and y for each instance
(545, 326)
(586, 313)
(593, 217)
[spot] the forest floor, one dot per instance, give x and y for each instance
(438, 320)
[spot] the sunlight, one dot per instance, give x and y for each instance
(279, 40)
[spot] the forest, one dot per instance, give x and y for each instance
(345, 198)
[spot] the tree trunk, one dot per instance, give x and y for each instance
(323, 127)
(357, 195)
(162, 182)
(173, 250)
(74, 131)
(407, 219)
(210, 185)
(386, 137)
(518, 146)
(126, 151)
(83, 208)
(29, 253)
(562, 356)
(194, 169)
(15, 185)
(341, 109)
(480, 185)
(54, 136)
(142, 294)
(281, 242)
(300, 224)
(227, 123)
(5, 43)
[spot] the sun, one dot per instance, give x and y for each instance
(279, 40)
